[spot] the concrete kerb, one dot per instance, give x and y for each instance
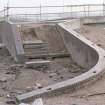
(95, 70)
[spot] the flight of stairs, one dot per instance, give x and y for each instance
(35, 48)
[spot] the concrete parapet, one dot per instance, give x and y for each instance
(93, 20)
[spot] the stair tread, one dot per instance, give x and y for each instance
(47, 54)
(33, 42)
(34, 46)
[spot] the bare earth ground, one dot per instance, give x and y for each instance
(16, 79)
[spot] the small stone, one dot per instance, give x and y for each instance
(19, 92)
(13, 67)
(52, 75)
(8, 96)
(61, 77)
(29, 88)
(3, 79)
(99, 44)
(55, 79)
(34, 87)
(39, 85)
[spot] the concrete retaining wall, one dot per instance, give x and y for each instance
(11, 38)
(84, 53)
(81, 52)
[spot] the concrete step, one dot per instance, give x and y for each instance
(36, 43)
(33, 52)
(47, 55)
(35, 47)
(2, 45)
(34, 64)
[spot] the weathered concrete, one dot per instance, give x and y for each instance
(73, 24)
(81, 53)
(11, 39)
(49, 55)
(34, 64)
(84, 53)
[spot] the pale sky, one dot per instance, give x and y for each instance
(29, 3)
(46, 2)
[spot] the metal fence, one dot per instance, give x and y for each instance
(40, 13)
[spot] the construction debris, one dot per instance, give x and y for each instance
(35, 64)
(39, 86)
(49, 55)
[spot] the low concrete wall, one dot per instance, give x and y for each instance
(81, 52)
(11, 38)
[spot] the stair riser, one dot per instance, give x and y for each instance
(35, 47)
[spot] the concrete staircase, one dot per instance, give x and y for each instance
(35, 48)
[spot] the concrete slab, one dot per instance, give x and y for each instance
(34, 64)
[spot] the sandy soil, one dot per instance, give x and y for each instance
(16, 79)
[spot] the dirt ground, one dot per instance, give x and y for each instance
(17, 79)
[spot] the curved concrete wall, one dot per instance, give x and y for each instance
(83, 52)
